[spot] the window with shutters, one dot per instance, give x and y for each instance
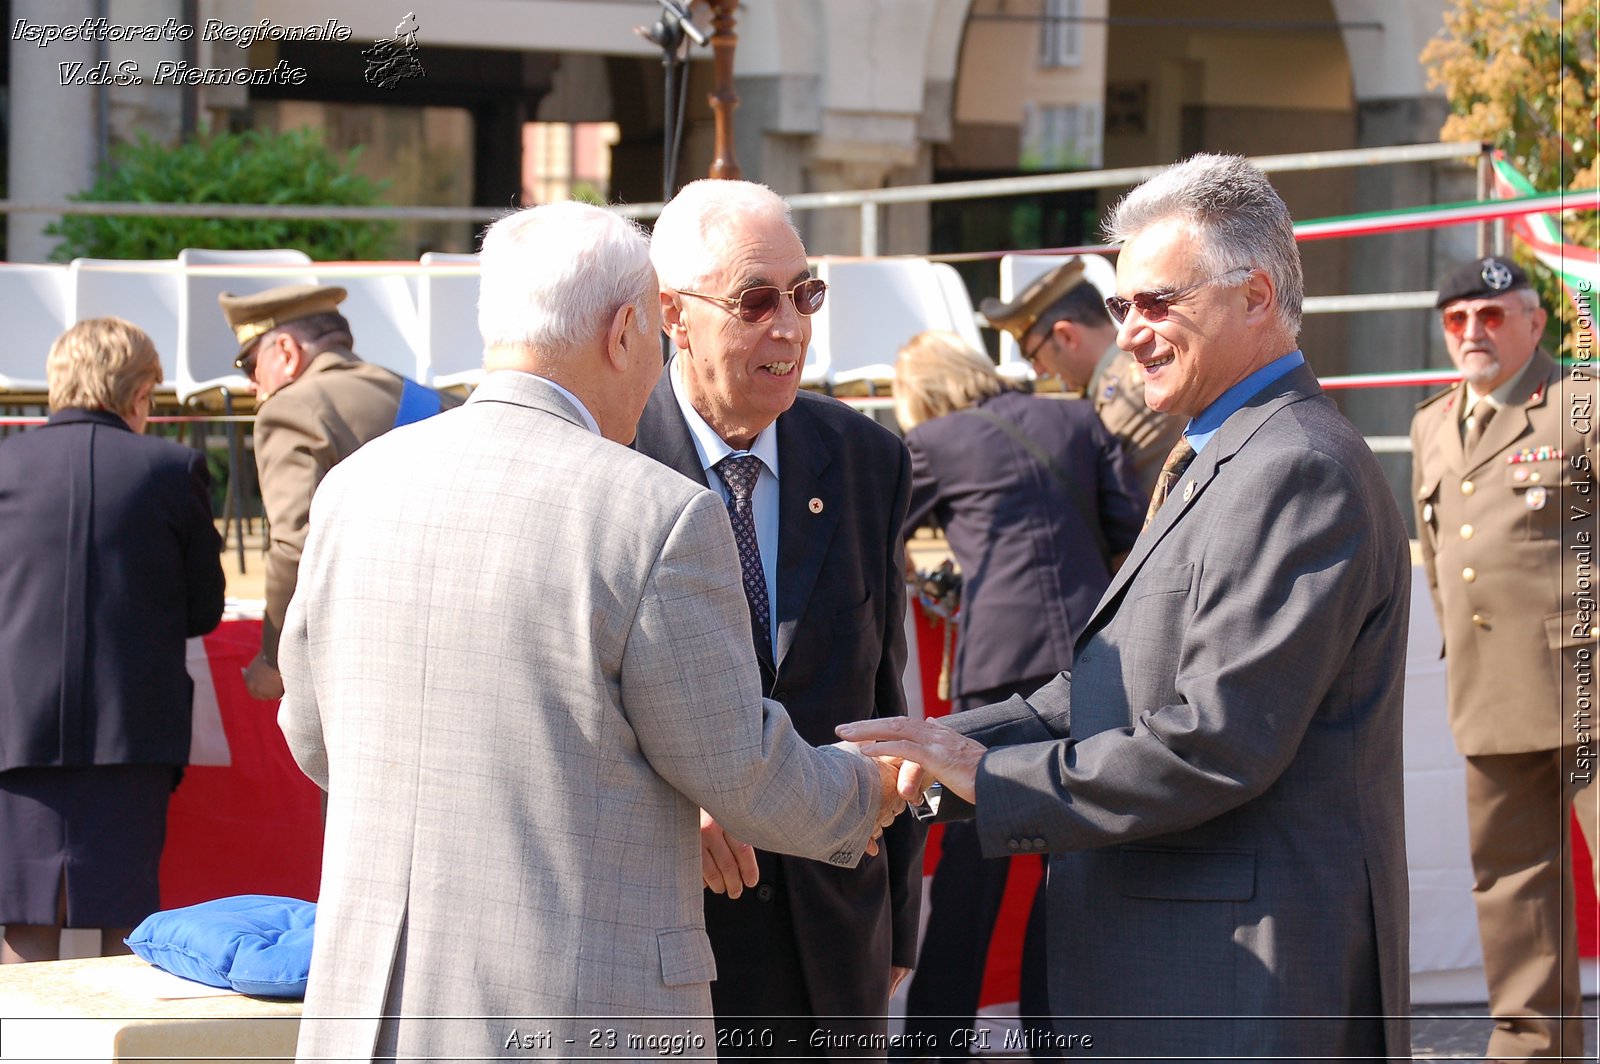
(1061, 34)
(1061, 137)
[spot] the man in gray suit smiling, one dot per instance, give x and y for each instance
(1218, 779)
(518, 659)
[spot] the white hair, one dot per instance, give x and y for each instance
(553, 276)
(686, 245)
(1236, 214)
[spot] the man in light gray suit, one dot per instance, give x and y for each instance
(1218, 779)
(519, 661)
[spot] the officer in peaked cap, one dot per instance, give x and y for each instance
(317, 403)
(1498, 460)
(1060, 323)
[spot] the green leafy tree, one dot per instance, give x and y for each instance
(1522, 77)
(256, 166)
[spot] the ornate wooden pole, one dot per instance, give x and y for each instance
(723, 98)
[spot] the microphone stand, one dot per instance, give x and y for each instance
(669, 33)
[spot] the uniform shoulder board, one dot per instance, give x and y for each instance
(1430, 400)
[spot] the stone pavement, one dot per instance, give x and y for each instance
(1461, 1032)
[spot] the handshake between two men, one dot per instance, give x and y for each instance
(912, 755)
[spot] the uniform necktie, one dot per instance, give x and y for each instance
(1477, 420)
(739, 473)
(1172, 471)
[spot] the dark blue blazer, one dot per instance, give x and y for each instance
(109, 561)
(1031, 563)
(841, 652)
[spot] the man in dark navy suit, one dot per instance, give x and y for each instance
(817, 496)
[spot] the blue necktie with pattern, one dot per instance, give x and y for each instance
(740, 472)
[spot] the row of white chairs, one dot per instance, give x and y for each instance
(421, 321)
(418, 322)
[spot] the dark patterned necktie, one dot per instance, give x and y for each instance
(1172, 471)
(739, 473)
(1477, 421)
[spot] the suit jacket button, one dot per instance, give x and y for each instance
(1480, 620)
(1466, 487)
(1469, 574)
(764, 892)
(1038, 845)
(1014, 845)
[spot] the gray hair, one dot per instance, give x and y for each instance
(552, 277)
(1236, 214)
(686, 245)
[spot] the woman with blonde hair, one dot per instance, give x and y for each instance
(111, 562)
(1037, 501)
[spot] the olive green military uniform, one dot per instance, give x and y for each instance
(302, 431)
(1507, 531)
(1117, 390)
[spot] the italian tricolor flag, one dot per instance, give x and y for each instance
(1577, 266)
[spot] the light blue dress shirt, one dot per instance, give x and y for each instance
(1205, 426)
(763, 501)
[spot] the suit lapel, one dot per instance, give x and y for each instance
(1455, 455)
(807, 471)
(664, 434)
(1297, 384)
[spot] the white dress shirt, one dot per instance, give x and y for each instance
(763, 501)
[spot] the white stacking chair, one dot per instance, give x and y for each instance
(206, 346)
(37, 306)
(447, 304)
(385, 322)
(143, 291)
(1019, 271)
(873, 307)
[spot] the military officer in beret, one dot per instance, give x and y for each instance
(316, 403)
(1503, 467)
(1061, 324)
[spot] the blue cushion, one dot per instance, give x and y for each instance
(254, 943)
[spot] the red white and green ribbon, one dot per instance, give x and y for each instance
(1577, 266)
(1407, 218)
(1524, 203)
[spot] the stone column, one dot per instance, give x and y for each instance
(51, 147)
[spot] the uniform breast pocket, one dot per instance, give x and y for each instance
(1536, 490)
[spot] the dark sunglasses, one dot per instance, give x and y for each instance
(246, 363)
(1493, 315)
(1032, 353)
(1154, 306)
(759, 304)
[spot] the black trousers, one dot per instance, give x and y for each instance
(762, 1007)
